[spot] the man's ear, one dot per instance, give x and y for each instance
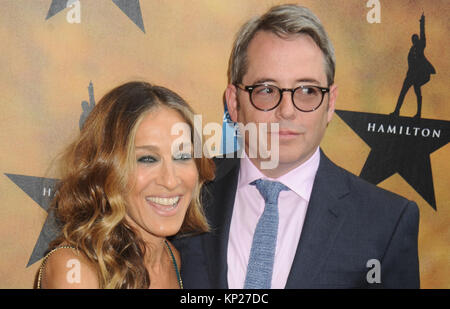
(332, 101)
(231, 101)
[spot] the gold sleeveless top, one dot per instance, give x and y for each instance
(44, 262)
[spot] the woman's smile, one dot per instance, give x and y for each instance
(164, 206)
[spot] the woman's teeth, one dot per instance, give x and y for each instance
(172, 201)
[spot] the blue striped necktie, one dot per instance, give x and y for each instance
(262, 253)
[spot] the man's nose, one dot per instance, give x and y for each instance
(286, 109)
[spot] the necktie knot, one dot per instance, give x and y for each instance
(270, 190)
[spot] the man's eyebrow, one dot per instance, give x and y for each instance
(308, 80)
(264, 80)
(301, 80)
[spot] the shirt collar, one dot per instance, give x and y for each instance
(300, 180)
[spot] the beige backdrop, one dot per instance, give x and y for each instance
(46, 67)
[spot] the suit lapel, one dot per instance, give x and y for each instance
(220, 212)
(323, 221)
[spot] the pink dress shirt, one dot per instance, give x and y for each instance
(249, 206)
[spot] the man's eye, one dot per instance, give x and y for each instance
(264, 90)
(309, 91)
(146, 159)
(183, 156)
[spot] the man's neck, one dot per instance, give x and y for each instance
(282, 168)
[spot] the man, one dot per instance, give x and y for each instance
(305, 223)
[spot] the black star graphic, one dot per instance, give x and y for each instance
(41, 190)
(399, 145)
(131, 8)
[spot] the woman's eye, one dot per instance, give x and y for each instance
(146, 159)
(183, 156)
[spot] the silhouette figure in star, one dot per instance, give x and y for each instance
(419, 70)
(87, 107)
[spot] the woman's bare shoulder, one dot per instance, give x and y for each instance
(67, 268)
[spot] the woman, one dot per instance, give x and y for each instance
(128, 183)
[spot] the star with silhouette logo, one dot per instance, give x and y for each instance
(42, 191)
(131, 8)
(399, 145)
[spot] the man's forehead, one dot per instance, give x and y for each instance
(273, 58)
(288, 37)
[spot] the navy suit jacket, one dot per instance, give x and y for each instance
(348, 222)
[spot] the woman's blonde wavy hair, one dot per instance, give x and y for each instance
(90, 203)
